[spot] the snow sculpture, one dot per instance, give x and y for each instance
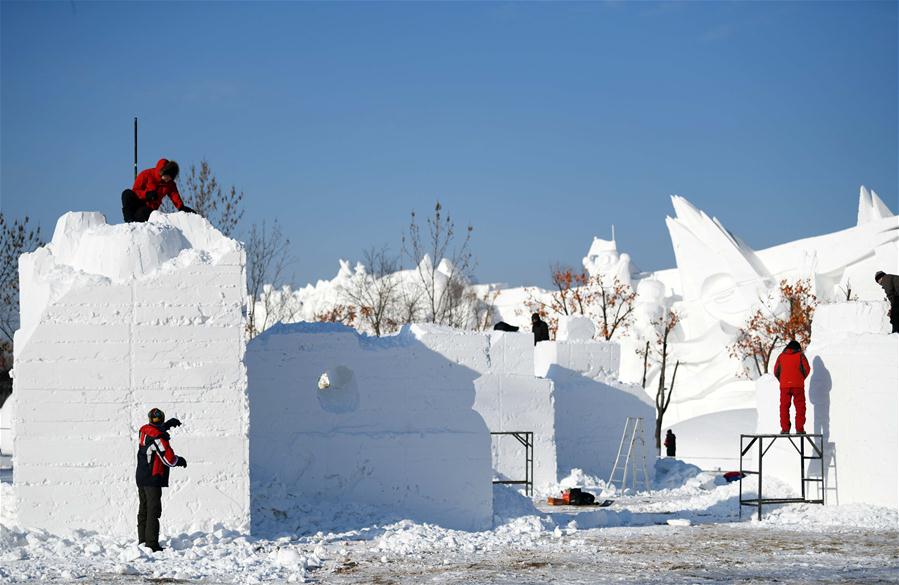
(116, 319)
(719, 280)
(603, 258)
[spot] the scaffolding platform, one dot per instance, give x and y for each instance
(799, 441)
(526, 438)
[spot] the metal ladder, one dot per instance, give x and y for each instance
(633, 427)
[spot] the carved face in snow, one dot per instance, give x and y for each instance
(730, 300)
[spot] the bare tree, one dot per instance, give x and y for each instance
(484, 306)
(16, 238)
(376, 291)
(609, 305)
(203, 193)
(268, 259)
(408, 303)
(443, 290)
(663, 326)
(765, 330)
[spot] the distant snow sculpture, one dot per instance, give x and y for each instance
(604, 259)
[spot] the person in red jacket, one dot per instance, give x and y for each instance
(791, 368)
(154, 459)
(150, 187)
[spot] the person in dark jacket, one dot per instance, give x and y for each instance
(791, 369)
(670, 443)
(540, 329)
(150, 187)
(890, 284)
(154, 459)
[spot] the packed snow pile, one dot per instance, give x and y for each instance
(673, 473)
(117, 319)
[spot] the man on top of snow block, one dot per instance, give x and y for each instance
(792, 368)
(540, 328)
(154, 459)
(890, 284)
(150, 187)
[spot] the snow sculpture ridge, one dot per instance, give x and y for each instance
(871, 207)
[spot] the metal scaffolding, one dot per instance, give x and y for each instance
(817, 452)
(526, 438)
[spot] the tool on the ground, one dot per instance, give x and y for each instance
(633, 428)
(577, 497)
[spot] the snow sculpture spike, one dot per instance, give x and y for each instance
(704, 248)
(871, 207)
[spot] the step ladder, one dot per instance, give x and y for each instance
(633, 436)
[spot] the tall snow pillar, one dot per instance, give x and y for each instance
(115, 320)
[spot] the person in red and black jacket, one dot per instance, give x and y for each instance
(150, 187)
(154, 459)
(791, 369)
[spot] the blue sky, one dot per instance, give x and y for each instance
(539, 123)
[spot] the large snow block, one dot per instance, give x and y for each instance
(575, 328)
(591, 358)
(511, 403)
(852, 388)
(118, 319)
(386, 422)
(590, 414)
(837, 321)
(512, 353)
(851, 400)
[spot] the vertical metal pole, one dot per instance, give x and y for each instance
(740, 506)
(802, 464)
(531, 463)
(135, 147)
(761, 456)
(823, 477)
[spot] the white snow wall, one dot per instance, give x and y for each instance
(591, 407)
(117, 319)
(851, 399)
(391, 427)
(403, 420)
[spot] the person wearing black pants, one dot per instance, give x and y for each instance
(148, 514)
(134, 208)
(154, 459)
(150, 189)
(670, 444)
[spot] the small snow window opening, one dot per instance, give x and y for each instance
(338, 391)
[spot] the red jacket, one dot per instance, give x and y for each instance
(149, 186)
(791, 368)
(154, 457)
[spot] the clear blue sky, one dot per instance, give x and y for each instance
(540, 124)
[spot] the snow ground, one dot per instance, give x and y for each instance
(629, 542)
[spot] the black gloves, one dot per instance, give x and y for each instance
(186, 209)
(151, 196)
(172, 423)
(182, 462)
